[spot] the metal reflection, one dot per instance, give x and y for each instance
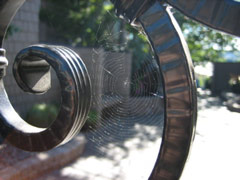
(175, 64)
(75, 102)
(179, 86)
(219, 14)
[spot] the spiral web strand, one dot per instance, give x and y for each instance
(124, 139)
(130, 116)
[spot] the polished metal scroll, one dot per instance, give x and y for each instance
(75, 99)
(176, 67)
(180, 91)
(222, 15)
(156, 21)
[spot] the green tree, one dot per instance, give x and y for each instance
(92, 23)
(76, 22)
(205, 44)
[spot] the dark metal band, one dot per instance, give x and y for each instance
(76, 99)
(174, 61)
(180, 92)
(3, 63)
(222, 15)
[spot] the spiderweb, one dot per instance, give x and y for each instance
(124, 140)
(125, 123)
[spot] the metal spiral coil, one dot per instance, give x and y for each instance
(156, 21)
(76, 99)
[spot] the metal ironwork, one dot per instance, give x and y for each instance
(222, 15)
(75, 103)
(180, 92)
(175, 65)
(3, 63)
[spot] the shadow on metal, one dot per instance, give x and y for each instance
(75, 101)
(175, 65)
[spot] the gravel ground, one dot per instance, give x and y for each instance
(20, 165)
(10, 155)
(131, 156)
(215, 152)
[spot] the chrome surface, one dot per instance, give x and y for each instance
(218, 14)
(3, 63)
(179, 86)
(175, 66)
(174, 63)
(75, 101)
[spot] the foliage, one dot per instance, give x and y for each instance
(42, 115)
(208, 83)
(140, 48)
(90, 23)
(236, 88)
(77, 22)
(93, 24)
(235, 84)
(204, 43)
(11, 30)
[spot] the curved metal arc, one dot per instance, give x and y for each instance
(180, 92)
(222, 15)
(73, 111)
(83, 92)
(83, 86)
(50, 134)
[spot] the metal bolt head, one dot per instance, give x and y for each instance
(3, 62)
(3, 59)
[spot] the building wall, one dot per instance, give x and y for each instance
(110, 72)
(222, 75)
(27, 23)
